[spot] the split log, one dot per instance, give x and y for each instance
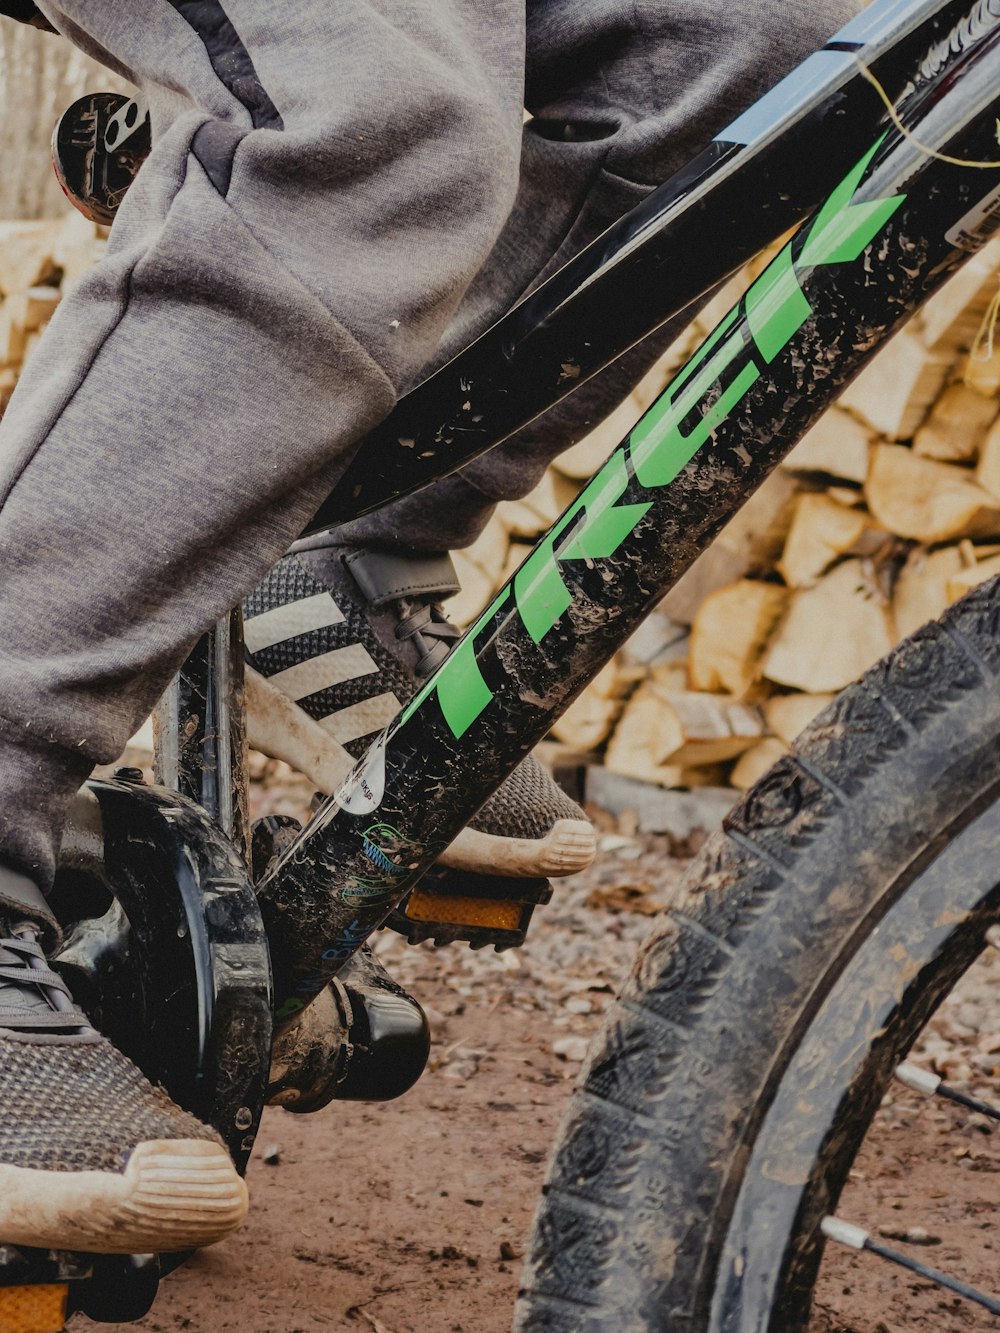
(645, 733)
(32, 309)
(533, 515)
(957, 425)
(754, 763)
(715, 568)
(894, 392)
(849, 496)
(821, 531)
(476, 592)
(589, 719)
(749, 543)
(517, 553)
(78, 245)
(921, 590)
(988, 467)
(972, 555)
(831, 633)
(13, 337)
(712, 728)
(489, 550)
(950, 320)
(521, 521)
(8, 379)
(30, 343)
(26, 254)
(662, 734)
(971, 577)
(837, 446)
(670, 677)
(658, 639)
(981, 372)
(480, 571)
(582, 459)
(665, 368)
(564, 491)
(926, 500)
(788, 714)
(729, 632)
(714, 311)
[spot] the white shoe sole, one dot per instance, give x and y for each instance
(173, 1195)
(569, 847)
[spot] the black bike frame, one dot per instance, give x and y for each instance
(907, 196)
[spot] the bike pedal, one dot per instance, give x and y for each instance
(33, 1309)
(40, 1289)
(449, 907)
(98, 146)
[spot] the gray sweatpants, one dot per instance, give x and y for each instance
(298, 249)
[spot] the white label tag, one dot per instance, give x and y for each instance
(364, 789)
(978, 224)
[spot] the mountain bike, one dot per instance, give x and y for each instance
(718, 1114)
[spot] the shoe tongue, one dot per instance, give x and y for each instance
(385, 577)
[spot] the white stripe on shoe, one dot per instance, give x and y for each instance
(361, 719)
(285, 622)
(321, 673)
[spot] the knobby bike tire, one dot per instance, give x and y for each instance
(721, 1106)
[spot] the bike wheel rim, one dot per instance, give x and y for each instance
(832, 1084)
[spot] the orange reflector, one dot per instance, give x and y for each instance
(501, 915)
(40, 1309)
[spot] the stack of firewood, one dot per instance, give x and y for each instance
(888, 510)
(38, 260)
(884, 513)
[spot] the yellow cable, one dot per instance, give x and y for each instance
(894, 117)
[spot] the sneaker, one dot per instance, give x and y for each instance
(338, 639)
(92, 1156)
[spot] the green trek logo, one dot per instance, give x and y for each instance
(775, 309)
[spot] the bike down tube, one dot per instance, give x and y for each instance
(758, 178)
(898, 224)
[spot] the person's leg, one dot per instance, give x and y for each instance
(264, 295)
(288, 257)
(621, 96)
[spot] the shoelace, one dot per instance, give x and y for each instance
(432, 633)
(33, 997)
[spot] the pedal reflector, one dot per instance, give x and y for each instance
(449, 906)
(423, 906)
(35, 1309)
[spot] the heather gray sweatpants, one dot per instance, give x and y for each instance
(300, 247)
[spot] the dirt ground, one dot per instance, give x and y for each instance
(410, 1217)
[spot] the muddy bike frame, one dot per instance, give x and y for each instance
(905, 195)
(886, 144)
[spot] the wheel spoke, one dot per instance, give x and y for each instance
(912, 1076)
(856, 1238)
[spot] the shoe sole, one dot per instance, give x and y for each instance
(173, 1195)
(569, 847)
(279, 728)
